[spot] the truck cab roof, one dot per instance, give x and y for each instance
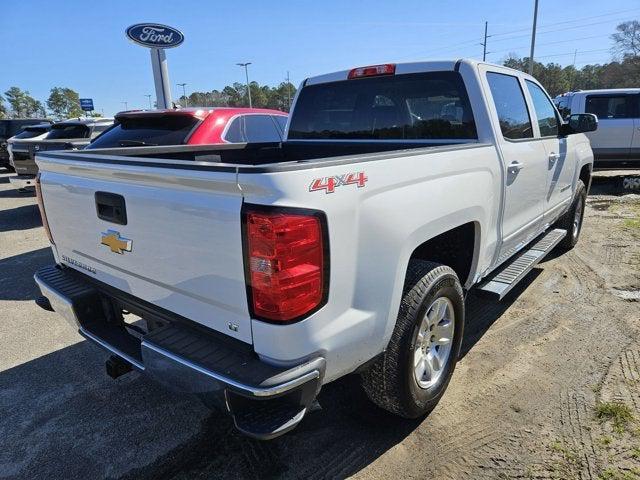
(407, 67)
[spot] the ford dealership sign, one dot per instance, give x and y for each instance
(154, 35)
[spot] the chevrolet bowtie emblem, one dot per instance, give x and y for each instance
(115, 242)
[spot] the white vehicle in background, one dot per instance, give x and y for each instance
(261, 272)
(616, 142)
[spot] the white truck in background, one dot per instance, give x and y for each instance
(616, 143)
(264, 271)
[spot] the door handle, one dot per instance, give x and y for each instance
(515, 167)
(552, 158)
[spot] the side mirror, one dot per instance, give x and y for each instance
(580, 123)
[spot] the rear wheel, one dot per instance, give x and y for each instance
(572, 220)
(413, 373)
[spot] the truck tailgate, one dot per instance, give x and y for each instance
(183, 226)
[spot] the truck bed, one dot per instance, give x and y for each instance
(229, 156)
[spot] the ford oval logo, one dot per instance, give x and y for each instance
(154, 35)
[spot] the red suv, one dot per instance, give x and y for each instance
(193, 126)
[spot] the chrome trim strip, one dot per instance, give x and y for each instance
(254, 391)
(89, 336)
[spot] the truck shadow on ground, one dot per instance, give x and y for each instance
(16, 274)
(17, 193)
(66, 419)
(20, 218)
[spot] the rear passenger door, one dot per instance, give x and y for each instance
(524, 158)
(612, 140)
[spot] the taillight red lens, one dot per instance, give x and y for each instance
(285, 264)
(372, 71)
(43, 214)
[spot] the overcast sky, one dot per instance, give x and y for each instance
(82, 45)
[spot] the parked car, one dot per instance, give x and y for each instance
(30, 132)
(616, 143)
(69, 134)
(10, 128)
(261, 272)
(193, 126)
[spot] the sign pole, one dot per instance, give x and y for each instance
(161, 77)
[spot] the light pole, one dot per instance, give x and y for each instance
(184, 94)
(533, 36)
(246, 73)
(149, 97)
(484, 44)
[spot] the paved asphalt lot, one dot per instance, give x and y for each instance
(521, 403)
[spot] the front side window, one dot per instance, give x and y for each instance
(416, 106)
(562, 104)
(61, 132)
(546, 113)
(608, 107)
(511, 106)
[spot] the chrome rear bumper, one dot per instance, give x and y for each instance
(264, 400)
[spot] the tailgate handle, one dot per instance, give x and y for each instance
(111, 207)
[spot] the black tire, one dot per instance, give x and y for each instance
(390, 382)
(567, 221)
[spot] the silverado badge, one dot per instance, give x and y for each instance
(115, 242)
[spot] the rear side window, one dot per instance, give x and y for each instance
(261, 128)
(510, 105)
(418, 106)
(281, 120)
(68, 131)
(252, 129)
(546, 113)
(31, 133)
(147, 130)
(608, 107)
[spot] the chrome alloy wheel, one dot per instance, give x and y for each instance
(577, 217)
(433, 344)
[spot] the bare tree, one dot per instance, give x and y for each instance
(627, 39)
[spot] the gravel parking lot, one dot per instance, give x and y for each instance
(548, 385)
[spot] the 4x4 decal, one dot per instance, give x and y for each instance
(329, 184)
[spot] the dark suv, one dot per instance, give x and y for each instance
(9, 128)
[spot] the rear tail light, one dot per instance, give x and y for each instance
(372, 71)
(43, 214)
(286, 262)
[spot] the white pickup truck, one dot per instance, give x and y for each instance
(263, 271)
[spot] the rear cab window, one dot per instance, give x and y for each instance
(141, 130)
(508, 98)
(59, 132)
(417, 106)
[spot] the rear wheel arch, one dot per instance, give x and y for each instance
(457, 248)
